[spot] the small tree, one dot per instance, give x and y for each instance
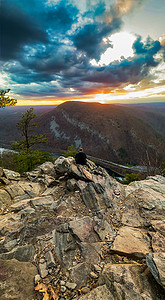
(71, 151)
(28, 158)
(26, 128)
(28, 161)
(6, 101)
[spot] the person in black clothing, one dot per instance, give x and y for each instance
(80, 157)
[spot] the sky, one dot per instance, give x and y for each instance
(103, 51)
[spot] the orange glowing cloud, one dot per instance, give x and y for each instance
(162, 40)
(125, 6)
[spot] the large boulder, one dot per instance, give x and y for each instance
(143, 206)
(1, 171)
(156, 264)
(47, 168)
(130, 281)
(131, 241)
(158, 235)
(155, 183)
(5, 198)
(23, 188)
(62, 164)
(83, 230)
(99, 293)
(22, 253)
(11, 175)
(16, 280)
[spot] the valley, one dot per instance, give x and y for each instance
(117, 133)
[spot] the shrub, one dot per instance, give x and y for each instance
(71, 151)
(27, 161)
(131, 177)
(7, 160)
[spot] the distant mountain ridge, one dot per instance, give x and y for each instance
(109, 131)
(119, 133)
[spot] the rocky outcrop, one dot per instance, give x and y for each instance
(81, 234)
(16, 280)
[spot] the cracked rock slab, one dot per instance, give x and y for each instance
(156, 264)
(99, 293)
(131, 241)
(22, 253)
(129, 281)
(16, 280)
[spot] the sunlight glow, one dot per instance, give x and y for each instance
(121, 47)
(148, 93)
(127, 96)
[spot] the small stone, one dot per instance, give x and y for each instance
(5, 180)
(42, 260)
(85, 290)
(117, 192)
(51, 271)
(97, 268)
(57, 270)
(50, 262)
(62, 282)
(11, 244)
(1, 171)
(63, 289)
(71, 184)
(71, 285)
(11, 175)
(37, 278)
(67, 274)
(47, 280)
(42, 270)
(93, 275)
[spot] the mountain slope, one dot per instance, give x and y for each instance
(9, 117)
(112, 132)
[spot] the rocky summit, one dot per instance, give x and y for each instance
(73, 232)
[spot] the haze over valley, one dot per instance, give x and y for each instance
(118, 133)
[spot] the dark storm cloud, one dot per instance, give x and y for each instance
(130, 70)
(51, 59)
(89, 38)
(28, 22)
(23, 75)
(54, 43)
(17, 29)
(150, 48)
(61, 17)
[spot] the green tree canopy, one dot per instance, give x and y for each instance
(6, 100)
(71, 151)
(28, 158)
(26, 128)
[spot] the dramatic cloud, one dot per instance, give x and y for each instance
(61, 17)
(48, 45)
(90, 38)
(17, 29)
(125, 6)
(162, 42)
